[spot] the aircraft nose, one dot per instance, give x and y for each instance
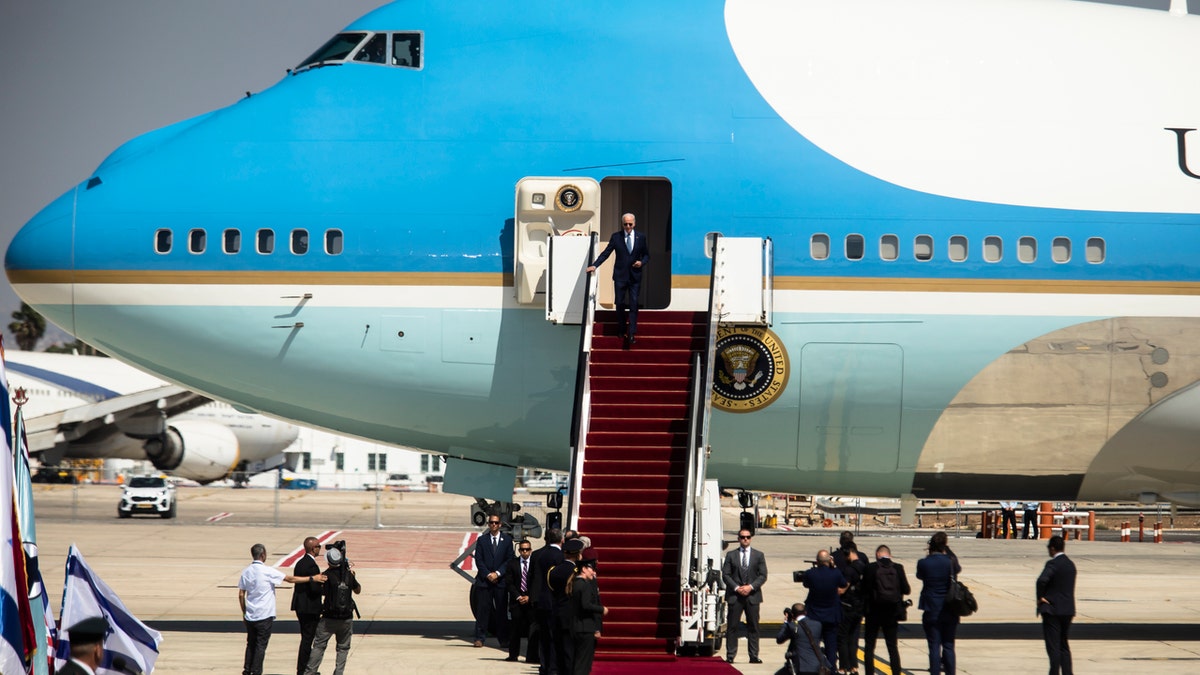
(40, 261)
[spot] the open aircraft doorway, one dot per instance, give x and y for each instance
(649, 200)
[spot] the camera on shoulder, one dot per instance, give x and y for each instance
(798, 575)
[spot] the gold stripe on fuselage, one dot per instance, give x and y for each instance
(691, 281)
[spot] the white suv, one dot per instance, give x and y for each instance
(147, 494)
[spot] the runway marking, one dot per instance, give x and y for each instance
(396, 549)
(468, 564)
(290, 559)
(219, 516)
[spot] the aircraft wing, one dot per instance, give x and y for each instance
(140, 414)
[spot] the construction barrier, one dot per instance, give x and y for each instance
(1066, 522)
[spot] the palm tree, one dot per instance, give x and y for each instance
(74, 347)
(28, 328)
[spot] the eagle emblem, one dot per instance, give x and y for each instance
(739, 362)
(752, 371)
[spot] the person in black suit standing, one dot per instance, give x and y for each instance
(744, 573)
(306, 601)
(493, 550)
(520, 603)
(547, 558)
(558, 580)
(587, 616)
(1056, 605)
(632, 256)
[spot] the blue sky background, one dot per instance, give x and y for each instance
(81, 77)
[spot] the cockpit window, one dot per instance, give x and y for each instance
(375, 51)
(406, 50)
(337, 49)
(399, 49)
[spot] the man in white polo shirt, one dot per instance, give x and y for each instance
(256, 594)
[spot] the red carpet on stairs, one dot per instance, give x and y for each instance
(690, 666)
(634, 475)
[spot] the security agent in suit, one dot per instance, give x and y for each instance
(519, 571)
(586, 616)
(87, 646)
(493, 550)
(558, 580)
(632, 256)
(744, 573)
(306, 601)
(1056, 605)
(545, 559)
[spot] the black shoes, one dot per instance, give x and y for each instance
(728, 659)
(755, 660)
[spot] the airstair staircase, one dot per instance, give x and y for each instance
(634, 476)
(639, 453)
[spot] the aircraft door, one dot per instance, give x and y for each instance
(649, 200)
(744, 280)
(545, 208)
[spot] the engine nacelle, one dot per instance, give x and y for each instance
(196, 450)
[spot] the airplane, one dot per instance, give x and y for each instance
(95, 407)
(982, 216)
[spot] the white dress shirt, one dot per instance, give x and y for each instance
(259, 582)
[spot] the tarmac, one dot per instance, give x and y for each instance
(1138, 603)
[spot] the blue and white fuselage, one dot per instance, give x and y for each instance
(985, 222)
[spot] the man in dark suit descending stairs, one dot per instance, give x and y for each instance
(632, 256)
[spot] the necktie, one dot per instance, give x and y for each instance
(524, 575)
(745, 559)
(495, 542)
(629, 242)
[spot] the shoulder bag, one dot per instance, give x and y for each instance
(959, 599)
(823, 668)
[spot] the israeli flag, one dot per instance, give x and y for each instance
(86, 596)
(39, 600)
(17, 637)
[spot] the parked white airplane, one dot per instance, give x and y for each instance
(95, 407)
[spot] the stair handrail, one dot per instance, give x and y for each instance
(695, 579)
(768, 282)
(581, 415)
(700, 401)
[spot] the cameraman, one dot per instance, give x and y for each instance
(802, 652)
(337, 611)
(825, 586)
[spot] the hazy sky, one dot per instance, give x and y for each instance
(81, 77)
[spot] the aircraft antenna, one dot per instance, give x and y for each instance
(1179, 7)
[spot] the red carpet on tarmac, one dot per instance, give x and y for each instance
(692, 666)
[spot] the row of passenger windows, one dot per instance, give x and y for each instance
(957, 248)
(264, 241)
